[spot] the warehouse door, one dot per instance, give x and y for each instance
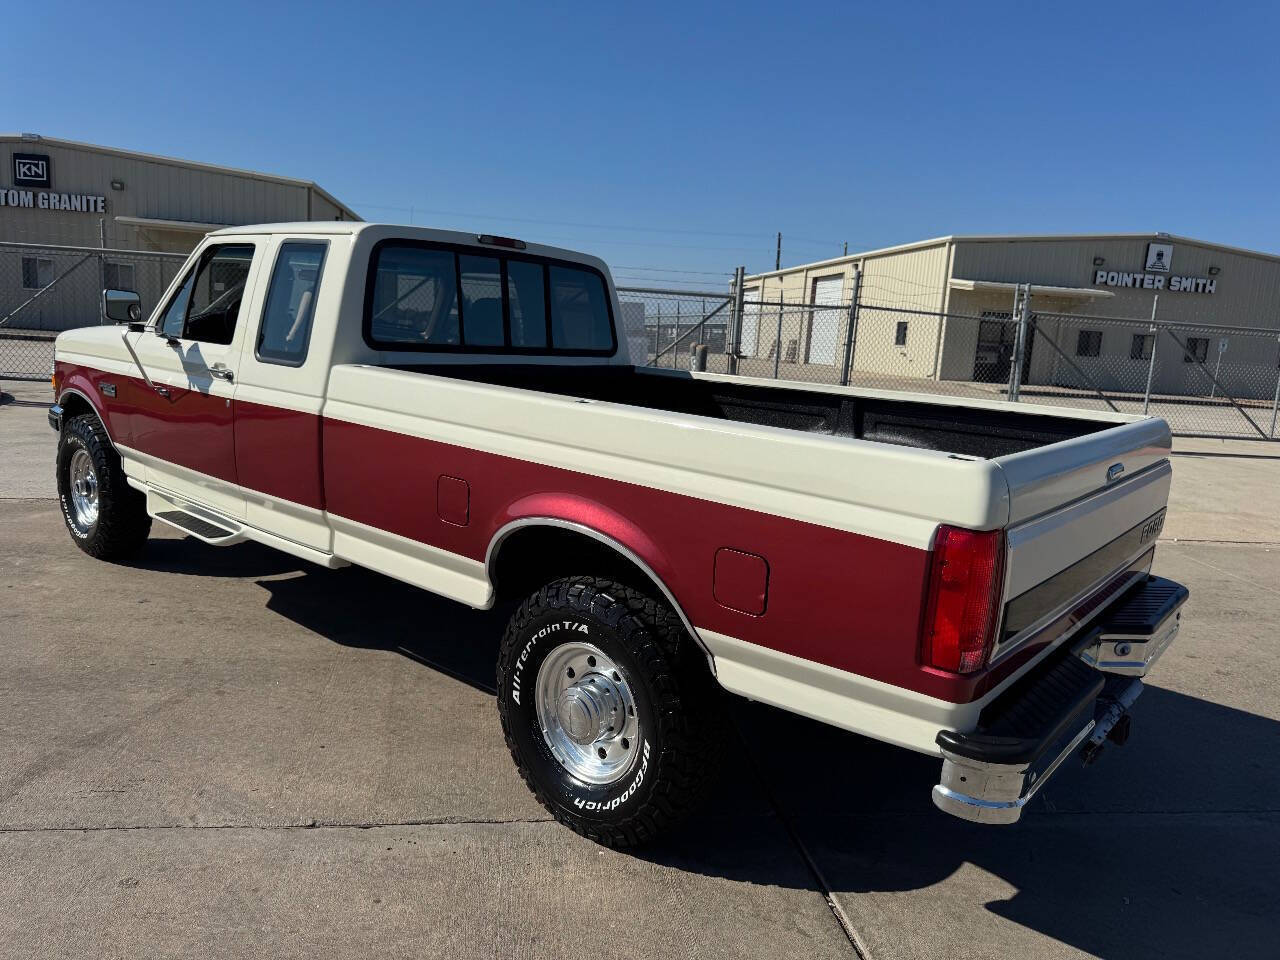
(824, 327)
(997, 336)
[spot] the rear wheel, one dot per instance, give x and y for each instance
(608, 709)
(106, 517)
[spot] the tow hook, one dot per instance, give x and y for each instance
(1112, 722)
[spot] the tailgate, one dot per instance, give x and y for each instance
(1084, 518)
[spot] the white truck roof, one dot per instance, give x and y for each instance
(381, 231)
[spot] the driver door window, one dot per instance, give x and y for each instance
(207, 306)
(176, 315)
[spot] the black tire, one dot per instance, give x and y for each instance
(122, 524)
(675, 703)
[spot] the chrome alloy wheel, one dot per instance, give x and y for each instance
(587, 713)
(84, 490)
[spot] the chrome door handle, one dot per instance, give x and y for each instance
(221, 372)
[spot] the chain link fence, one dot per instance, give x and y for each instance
(1205, 379)
(662, 326)
(46, 289)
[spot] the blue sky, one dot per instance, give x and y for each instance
(681, 137)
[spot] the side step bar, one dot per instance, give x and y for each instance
(209, 532)
(198, 522)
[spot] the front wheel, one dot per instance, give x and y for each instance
(106, 517)
(607, 708)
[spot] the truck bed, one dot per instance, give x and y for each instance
(964, 430)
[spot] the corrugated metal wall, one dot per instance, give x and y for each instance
(1247, 294)
(151, 188)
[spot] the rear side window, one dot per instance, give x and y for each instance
(481, 301)
(527, 296)
(291, 302)
(434, 297)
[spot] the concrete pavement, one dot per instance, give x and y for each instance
(226, 751)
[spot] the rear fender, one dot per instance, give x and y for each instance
(600, 523)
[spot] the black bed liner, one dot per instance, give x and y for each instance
(969, 431)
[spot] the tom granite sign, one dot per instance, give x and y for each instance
(33, 170)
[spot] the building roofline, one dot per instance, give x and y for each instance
(1011, 238)
(851, 257)
(35, 139)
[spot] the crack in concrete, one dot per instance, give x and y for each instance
(313, 825)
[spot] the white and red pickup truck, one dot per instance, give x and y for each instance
(968, 579)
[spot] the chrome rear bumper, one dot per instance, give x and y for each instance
(1077, 701)
(988, 792)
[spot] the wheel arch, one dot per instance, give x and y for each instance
(512, 548)
(75, 402)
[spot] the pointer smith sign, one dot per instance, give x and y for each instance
(1157, 275)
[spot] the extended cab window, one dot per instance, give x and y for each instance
(207, 305)
(428, 297)
(291, 302)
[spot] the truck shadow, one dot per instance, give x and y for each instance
(1169, 847)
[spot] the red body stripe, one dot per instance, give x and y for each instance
(842, 599)
(278, 453)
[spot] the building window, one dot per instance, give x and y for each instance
(1140, 348)
(1089, 343)
(1197, 350)
(118, 276)
(900, 335)
(37, 272)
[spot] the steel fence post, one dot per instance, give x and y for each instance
(1275, 400)
(102, 272)
(735, 335)
(851, 333)
(1019, 341)
(777, 341)
(1155, 343)
(678, 338)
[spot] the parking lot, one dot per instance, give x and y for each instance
(230, 752)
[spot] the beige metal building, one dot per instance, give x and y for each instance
(59, 192)
(941, 309)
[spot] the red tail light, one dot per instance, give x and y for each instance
(966, 579)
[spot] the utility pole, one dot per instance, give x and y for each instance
(846, 248)
(777, 257)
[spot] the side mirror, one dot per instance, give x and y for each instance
(122, 306)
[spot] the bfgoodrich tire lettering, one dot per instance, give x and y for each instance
(659, 672)
(106, 518)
